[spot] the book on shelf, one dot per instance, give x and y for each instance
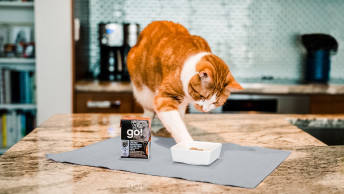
(3, 131)
(15, 125)
(17, 86)
(32, 92)
(7, 85)
(11, 129)
(22, 86)
(2, 100)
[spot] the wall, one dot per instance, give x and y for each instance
(53, 30)
(255, 38)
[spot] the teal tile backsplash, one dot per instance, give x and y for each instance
(256, 38)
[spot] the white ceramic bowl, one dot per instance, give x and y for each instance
(181, 152)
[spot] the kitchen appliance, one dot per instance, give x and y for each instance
(319, 47)
(110, 42)
(131, 34)
(115, 41)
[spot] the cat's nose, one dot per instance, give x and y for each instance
(202, 108)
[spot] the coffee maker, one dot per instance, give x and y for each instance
(110, 42)
(115, 41)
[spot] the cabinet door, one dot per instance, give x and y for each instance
(326, 104)
(93, 102)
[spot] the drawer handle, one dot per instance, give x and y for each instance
(104, 104)
(116, 103)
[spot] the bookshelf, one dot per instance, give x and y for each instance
(28, 61)
(18, 4)
(18, 106)
(17, 72)
(18, 63)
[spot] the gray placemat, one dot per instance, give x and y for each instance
(241, 166)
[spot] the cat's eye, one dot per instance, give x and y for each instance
(217, 104)
(202, 98)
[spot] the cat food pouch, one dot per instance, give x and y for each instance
(136, 137)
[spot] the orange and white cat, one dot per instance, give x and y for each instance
(171, 68)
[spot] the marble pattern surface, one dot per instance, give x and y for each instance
(249, 88)
(313, 167)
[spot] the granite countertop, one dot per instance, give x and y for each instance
(250, 88)
(312, 167)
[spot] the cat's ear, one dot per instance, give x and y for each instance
(234, 86)
(206, 75)
(205, 72)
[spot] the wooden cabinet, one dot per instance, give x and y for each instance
(124, 102)
(106, 102)
(326, 104)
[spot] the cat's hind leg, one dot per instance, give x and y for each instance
(145, 97)
(156, 124)
(148, 113)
